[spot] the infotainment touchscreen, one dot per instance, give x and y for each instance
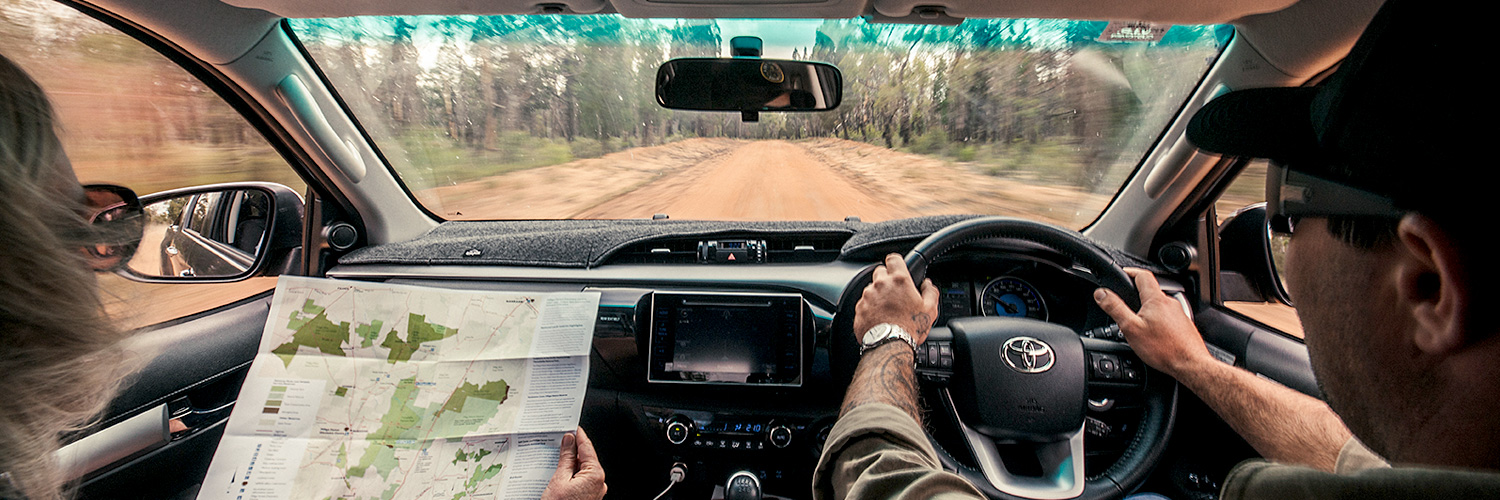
(726, 338)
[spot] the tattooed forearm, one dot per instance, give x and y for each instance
(924, 324)
(886, 374)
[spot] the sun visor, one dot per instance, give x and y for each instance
(814, 9)
(1157, 11)
(350, 8)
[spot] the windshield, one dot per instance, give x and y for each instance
(555, 117)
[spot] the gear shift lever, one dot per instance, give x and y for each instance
(742, 485)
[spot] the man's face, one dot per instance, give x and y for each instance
(1351, 329)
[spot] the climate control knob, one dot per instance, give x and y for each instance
(678, 432)
(780, 436)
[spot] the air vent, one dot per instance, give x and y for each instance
(805, 248)
(672, 251)
(780, 248)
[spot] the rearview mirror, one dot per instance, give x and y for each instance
(218, 233)
(748, 85)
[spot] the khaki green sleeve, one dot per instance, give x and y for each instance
(1354, 456)
(1262, 480)
(877, 451)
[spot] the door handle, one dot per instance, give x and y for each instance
(187, 419)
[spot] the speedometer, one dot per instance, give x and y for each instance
(1010, 297)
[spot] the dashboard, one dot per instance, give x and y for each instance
(650, 409)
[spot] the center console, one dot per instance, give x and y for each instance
(732, 384)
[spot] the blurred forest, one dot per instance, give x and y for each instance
(127, 115)
(455, 99)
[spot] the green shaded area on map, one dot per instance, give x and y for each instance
(407, 427)
(368, 332)
(482, 474)
(470, 457)
(340, 392)
(418, 330)
(378, 455)
(318, 332)
(493, 391)
(402, 419)
(301, 317)
(396, 427)
(343, 457)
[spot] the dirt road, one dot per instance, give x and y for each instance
(762, 180)
(727, 179)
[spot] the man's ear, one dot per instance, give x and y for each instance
(1433, 285)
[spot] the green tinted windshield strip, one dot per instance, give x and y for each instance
(512, 117)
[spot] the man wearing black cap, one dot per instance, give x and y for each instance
(1375, 178)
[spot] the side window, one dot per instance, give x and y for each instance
(199, 223)
(1247, 189)
(130, 116)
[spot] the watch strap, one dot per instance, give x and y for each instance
(895, 333)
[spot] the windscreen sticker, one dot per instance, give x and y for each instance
(1133, 31)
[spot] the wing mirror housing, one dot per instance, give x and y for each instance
(749, 85)
(218, 233)
(1251, 258)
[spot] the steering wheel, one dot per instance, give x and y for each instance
(1017, 380)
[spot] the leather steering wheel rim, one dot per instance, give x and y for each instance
(1159, 398)
(1066, 242)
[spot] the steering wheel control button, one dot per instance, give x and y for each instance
(780, 436)
(1115, 368)
(1111, 332)
(1027, 355)
(677, 432)
(1105, 366)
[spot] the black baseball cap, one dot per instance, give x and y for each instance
(1401, 117)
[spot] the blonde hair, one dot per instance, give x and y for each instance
(60, 359)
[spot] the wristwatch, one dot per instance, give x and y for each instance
(885, 332)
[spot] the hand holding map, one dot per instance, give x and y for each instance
(370, 390)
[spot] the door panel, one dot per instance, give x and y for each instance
(200, 366)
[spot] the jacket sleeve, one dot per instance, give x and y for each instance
(877, 451)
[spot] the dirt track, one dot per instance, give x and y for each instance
(764, 180)
(726, 179)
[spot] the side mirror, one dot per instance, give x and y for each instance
(1251, 259)
(748, 85)
(218, 234)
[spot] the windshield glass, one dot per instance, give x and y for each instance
(553, 117)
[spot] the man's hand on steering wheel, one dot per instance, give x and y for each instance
(1161, 334)
(892, 298)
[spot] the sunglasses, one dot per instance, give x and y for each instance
(1292, 195)
(116, 221)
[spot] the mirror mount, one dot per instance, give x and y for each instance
(219, 233)
(745, 46)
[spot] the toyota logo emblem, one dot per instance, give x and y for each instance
(1027, 355)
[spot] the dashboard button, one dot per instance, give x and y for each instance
(780, 436)
(677, 432)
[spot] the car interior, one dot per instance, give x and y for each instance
(358, 220)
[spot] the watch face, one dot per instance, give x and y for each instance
(877, 333)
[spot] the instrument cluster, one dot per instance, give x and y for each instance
(1017, 288)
